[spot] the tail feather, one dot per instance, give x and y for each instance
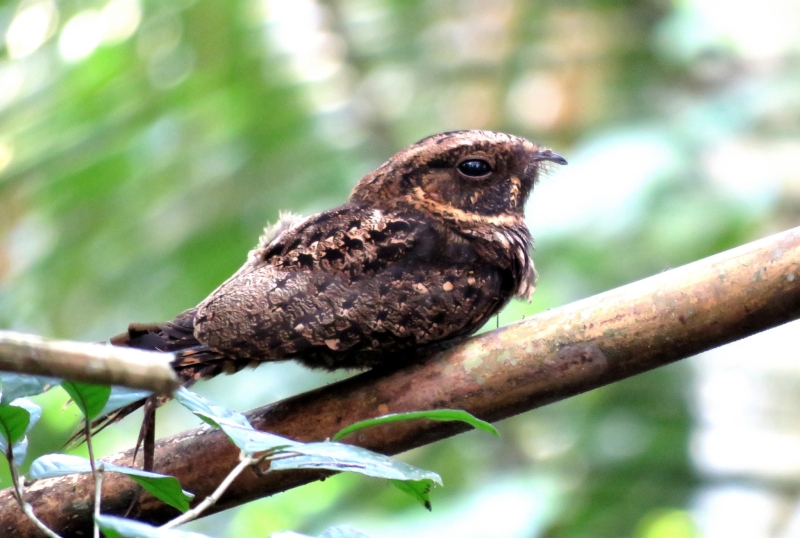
(193, 361)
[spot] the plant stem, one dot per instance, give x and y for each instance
(98, 488)
(209, 501)
(27, 509)
(87, 425)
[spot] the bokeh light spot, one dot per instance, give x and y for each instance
(30, 28)
(81, 35)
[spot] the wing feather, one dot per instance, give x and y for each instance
(348, 286)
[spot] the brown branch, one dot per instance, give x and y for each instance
(551, 356)
(91, 363)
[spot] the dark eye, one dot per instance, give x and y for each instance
(475, 168)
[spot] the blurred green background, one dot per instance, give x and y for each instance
(144, 144)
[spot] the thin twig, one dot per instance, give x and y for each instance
(27, 509)
(98, 488)
(212, 499)
(87, 426)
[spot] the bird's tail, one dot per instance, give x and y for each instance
(193, 361)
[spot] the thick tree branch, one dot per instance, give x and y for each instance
(551, 356)
(91, 363)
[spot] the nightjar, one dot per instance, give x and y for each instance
(428, 247)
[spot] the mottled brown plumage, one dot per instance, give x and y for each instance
(428, 247)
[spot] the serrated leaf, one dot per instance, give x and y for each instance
(90, 398)
(117, 527)
(341, 457)
(435, 414)
(419, 489)
(163, 487)
(18, 386)
(206, 409)
(249, 440)
(122, 396)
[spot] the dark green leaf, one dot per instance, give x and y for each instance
(34, 410)
(20, 448)
(419, 489)
(341, 457)
(166, 488)
(117, 527)
(162, 487)
(90, 398)
(436, 414)
(14, 422)
(18, 386)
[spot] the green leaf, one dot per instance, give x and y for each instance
(234, 424)
(122, 396)
(14, 422)
(52, 465)
(435, 414)
(19, 385)
(90, 398)
(341, 457)
(249, 440)
(20, 448)
(206, 409)
(163, 487)
(117, 527)
(419, 489)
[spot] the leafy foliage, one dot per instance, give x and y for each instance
(437, 414)
(285, 454)
(91, 399)
(19, 386)
(133, 181)
(13, 423)
(419, 489)
(162, 487)
(16, 420)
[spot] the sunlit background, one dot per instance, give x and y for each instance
(144, 144)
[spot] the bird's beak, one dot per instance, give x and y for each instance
(549, 155)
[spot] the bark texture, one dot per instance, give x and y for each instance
(554, 355)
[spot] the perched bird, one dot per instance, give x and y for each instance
(428, 247)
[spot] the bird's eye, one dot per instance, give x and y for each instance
(475, 168)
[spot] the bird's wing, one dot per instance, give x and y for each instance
(345, 286)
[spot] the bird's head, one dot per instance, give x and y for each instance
(463, 177)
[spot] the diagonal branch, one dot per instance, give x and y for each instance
(551, 356)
